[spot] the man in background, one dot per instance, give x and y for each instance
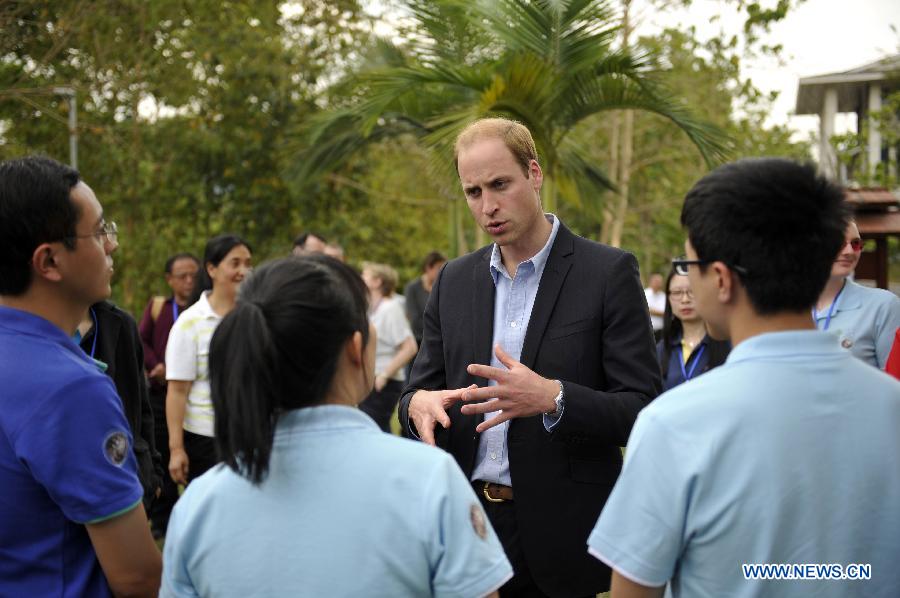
(656, 301)
(160, 314)
(417, 292)
(309, 242)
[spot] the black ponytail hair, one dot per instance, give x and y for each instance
(216, 249)
(278, 350)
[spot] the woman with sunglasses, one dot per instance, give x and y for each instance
(864, 318)
(189, 409)
(313, 499)
(685, 350)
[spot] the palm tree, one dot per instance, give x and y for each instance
(549, 64)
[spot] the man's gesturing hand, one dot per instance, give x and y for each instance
(427, 407)
(519, 391)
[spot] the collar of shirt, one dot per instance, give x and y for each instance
(787, 345)
(206, 310)
(323, 418)
(678, 340)
(538, 261)
(26, 323)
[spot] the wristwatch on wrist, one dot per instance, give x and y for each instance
(560, 402)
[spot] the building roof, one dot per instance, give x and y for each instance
(873, 224)
(869, 198)
(849, 84)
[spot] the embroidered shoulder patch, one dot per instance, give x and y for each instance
(115, 447)
(476, 515)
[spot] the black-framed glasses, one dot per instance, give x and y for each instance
(680, 265)
(109, 229)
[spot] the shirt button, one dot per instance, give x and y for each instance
(494, 456)
(513, 324)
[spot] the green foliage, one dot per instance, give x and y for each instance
(269, 118)
(550, 65)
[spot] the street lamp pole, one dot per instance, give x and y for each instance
(69, 92)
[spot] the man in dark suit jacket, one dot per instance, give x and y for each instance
(573, 363)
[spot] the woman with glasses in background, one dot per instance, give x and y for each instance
(864, 318)
(685, 350)
(313, 499)
(189, 409)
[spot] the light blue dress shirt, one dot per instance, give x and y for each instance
(513, 301)
(345, 511)
(786, 454)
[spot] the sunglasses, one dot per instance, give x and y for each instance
(855, 244)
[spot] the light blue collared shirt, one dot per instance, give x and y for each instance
(785, 454)
(512, 312)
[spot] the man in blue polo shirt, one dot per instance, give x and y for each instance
(777, 473)
(71, 518)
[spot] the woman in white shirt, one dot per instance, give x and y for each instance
(395, 345)
(189, 410)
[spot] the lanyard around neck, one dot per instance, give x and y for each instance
(688, 374)
(834, 303)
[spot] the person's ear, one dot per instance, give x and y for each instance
(725, 282)
(354, 349)
(45, 261)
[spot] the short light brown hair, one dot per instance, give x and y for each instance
(387, 275)
(514, 135)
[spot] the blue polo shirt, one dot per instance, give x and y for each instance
(787, 454)
(345, 511)
(65, 460)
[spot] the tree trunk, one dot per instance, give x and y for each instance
(624, 179)
(627, 147)
(615, 126)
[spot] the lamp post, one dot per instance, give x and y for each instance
(69, 92)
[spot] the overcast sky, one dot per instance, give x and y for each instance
(819, 36)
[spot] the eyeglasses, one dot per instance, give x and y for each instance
(680, 265)
(679, 293)
(855, 244)
(184, 276)
(109, 229)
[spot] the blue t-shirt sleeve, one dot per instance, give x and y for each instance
(78, 445)
(640, 530)
(466, 557)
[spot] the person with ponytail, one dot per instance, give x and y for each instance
(310, 499)
(189, 409)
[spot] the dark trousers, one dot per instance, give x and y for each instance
(379, 405)
(502, 516)
(162, 506)
(201, 452)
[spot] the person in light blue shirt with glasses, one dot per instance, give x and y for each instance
(786, 455)
(313, 499)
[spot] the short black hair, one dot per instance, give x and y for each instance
(433, 257)
(777, 220)
(278, 350)
(300, 241)
(180, 256)
(35, 207)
